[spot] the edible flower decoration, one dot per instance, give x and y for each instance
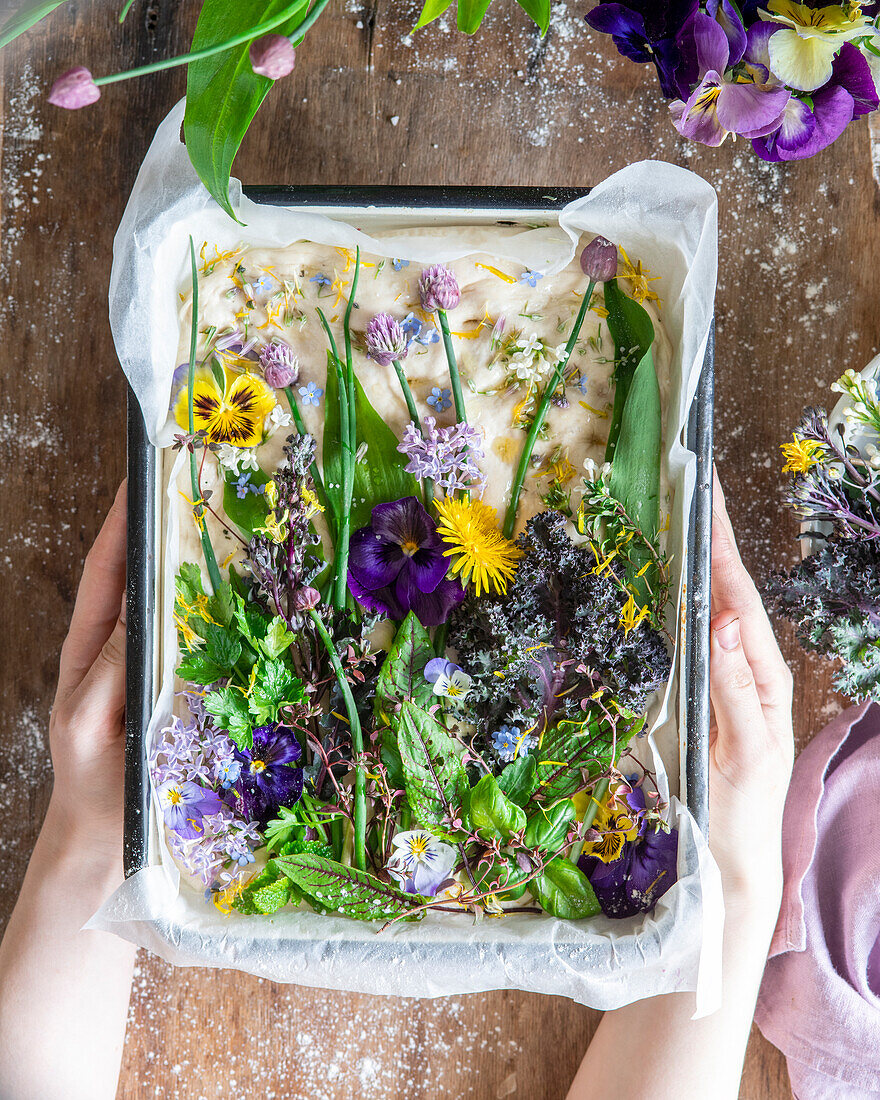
(483, 556)
(803, 49)
(269, 777)
(233, 414)
(420, 862)
(397, 565)
(184, 804)
(449, 680)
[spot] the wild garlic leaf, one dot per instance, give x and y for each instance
(345, 890)
(28, 13)
(632, 331)
(635, 472)
(436, 782)
(470, 14)
(432, 10)
(539, 10)
(248, 512)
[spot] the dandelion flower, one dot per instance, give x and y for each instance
(801, 455)
(483, 555)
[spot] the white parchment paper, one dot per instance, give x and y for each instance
(666, 217)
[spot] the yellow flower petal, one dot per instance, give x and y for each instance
(235, 416)
(799, 62)
(483, 555)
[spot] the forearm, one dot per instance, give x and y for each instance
(653, 1047)
(63, 992)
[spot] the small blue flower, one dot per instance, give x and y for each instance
(311, 394)
(582, 384)
(243, 485)
(440, 400)
(531, 277)
(399, 264)
(321, 280)
(509, 744)
(416, 330)
(228, 771)
(264, 285)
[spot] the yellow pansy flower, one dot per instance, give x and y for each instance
(234, 415)
(801, 54)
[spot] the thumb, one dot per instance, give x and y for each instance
(734, 693)
(100, 698)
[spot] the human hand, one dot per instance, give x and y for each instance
(86, 730)
(751, 746)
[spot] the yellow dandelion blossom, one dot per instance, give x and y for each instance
(639, 279)
(483, 555)
(801, 455)
(235, 415)
(632, 615)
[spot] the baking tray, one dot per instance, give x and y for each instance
(424, 206)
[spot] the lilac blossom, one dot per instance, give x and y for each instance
(397, 564)
(448, 456)
(225, 838)
(386, 340)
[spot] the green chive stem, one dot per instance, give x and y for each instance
(340, 557)
(357, 744)
(599, 792)
(457, 395)
(541, 415)
(407, 395)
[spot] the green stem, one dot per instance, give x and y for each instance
(198, 510)
(440, 639)
(347, 445)
(357, 744)
(454, 379)
(125, 10)
(221, 47)
(407, 396)
(599, 792)
(541, 415)
(313, 469)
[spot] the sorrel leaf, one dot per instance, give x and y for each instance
(27, 15)
(635, 472)
(564, 891)
(402, 675)
(570, 747)
(492, 813)
(345, 890)
(632, 331)
(223, 93)
(379, 476)
(436, 782)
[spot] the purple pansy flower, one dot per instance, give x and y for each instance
(647, 31)
(184, 804)
(723, 104)
(268, 778)
(397, 564)
(805, 130)
(642, 873)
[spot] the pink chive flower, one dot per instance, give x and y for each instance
(386, 340)
(280, 365)
(599, 260)
(74, 89)
(438, 289)
(273, 56)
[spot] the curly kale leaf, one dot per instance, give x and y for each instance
(833, 599)
(555, 638)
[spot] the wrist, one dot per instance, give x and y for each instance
(71, 847)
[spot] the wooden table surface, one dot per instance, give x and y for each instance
(368, 103)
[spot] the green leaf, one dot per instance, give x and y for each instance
(223, 93)
(188, 582)
(572, 747)
(380, 475)
(547, 829)
(635, 472)
(632, 331)
(29, 13)
(198, 668)
(564, 891)
(278, 638)
(220, 605)
(223, 647)
(519, 780)
(253, 625)
(345, 890)
(402, 675)
(432, 10)
(247, 512)
(436, 782)
(505, 871)
(267, 893)
(492, 813)
(470, 14)
(539, 10)
(230, 707)
(274, 686)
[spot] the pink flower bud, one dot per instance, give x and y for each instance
(272, 55)
(599, 260)
(438, 289)
(386, 340)
(280, 366)
(304, 599)
(74, 89)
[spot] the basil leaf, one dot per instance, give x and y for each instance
(345, 890)
(492, 813)
(632, 331)
(518, 780)
(223, 93)
(564, 891)
(548, 828)
(247, 512)
(539, 10)
(431, 11)
(436, 782)
(379, 476)
(635, 472)
(470, 14)
(27, 15)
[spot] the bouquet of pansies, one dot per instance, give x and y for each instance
(415, 710)
(789, 77)
(833, 595)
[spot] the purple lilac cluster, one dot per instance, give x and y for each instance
(225, 839)
(788, 77)
(448, 456)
